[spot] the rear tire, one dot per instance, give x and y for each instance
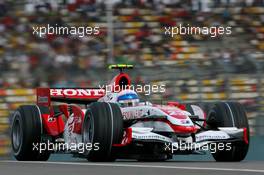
(229, 114)
(26, 130)
(103, 125)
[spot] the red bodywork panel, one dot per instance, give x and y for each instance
(177, 104)
(53, 126)
(43, 97)
(172, 111)
(78, 119)
(53, 123)
(127, 138)
(245, 135)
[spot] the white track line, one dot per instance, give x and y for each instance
(140, 166)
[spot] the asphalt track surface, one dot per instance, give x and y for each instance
(11, 167)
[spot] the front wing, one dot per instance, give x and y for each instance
(194, 142)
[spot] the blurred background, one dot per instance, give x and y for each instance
(194, 68)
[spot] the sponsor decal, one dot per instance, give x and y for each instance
(77, 93)
(133, 114)
(211, 135)
(150, 137)
(43, 99)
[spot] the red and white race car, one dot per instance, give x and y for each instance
(104, 126)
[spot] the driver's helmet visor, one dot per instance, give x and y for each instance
(128, 103)
(127, 100)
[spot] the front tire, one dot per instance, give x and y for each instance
(229, 114)
(103, 125)
(26, 130)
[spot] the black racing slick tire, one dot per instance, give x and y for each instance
(230, 114)
(102, 127)
(26, 132)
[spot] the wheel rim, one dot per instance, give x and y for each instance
(16, 134)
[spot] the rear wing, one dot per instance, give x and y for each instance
(68, 95)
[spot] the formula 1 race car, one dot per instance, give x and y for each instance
(103, 126)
